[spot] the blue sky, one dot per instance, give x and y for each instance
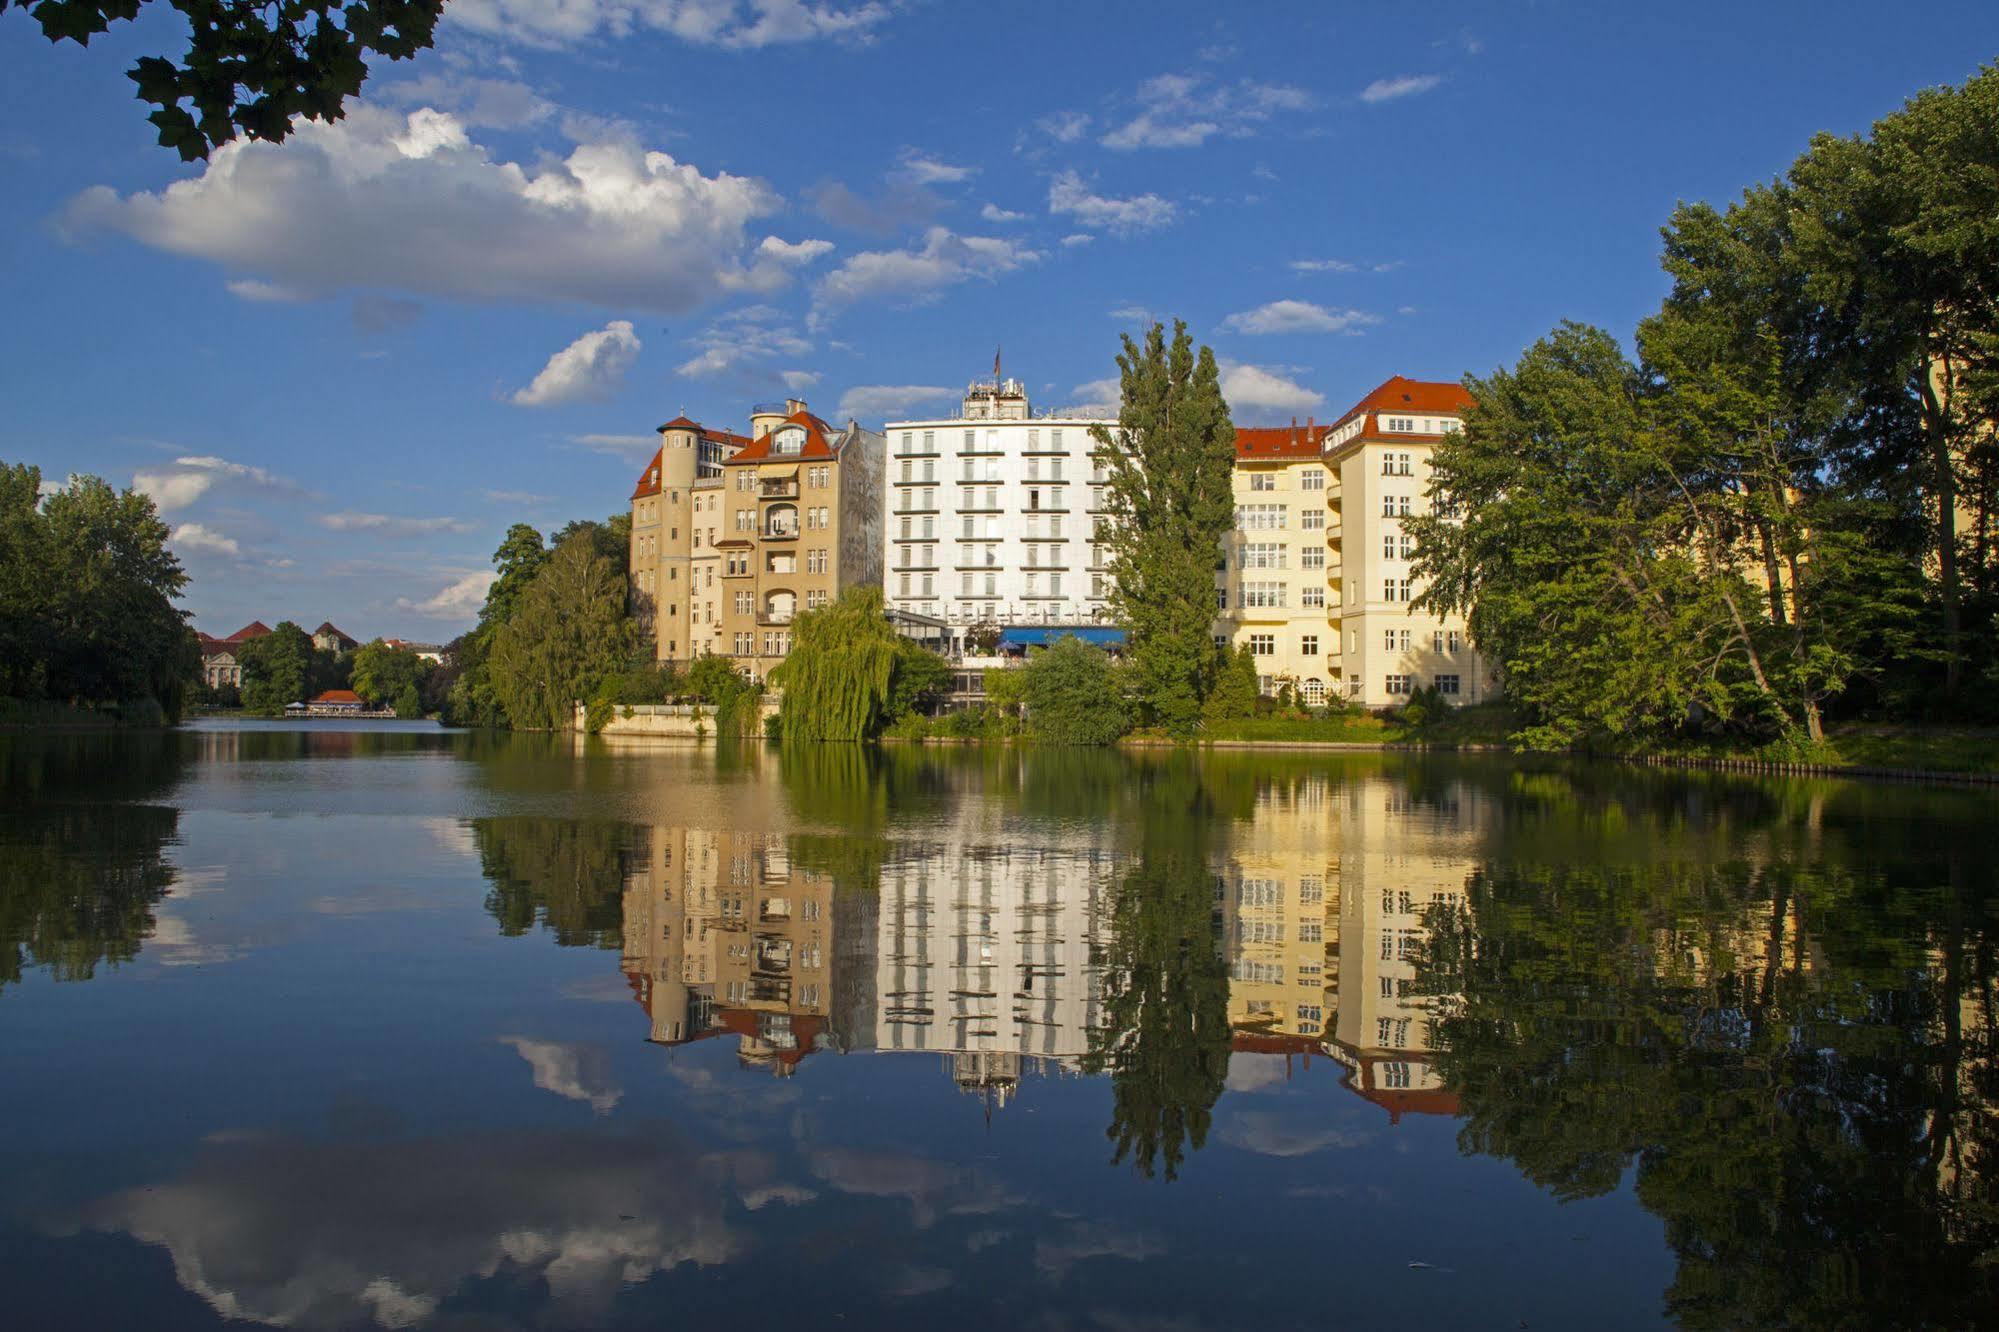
(345, 364)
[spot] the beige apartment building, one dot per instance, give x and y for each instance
(1275, 594)
(734, 535)
(1379, 457)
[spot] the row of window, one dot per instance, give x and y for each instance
(1403, 685)
(909, 443)
(1311, 478)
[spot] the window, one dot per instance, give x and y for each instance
(1311, 931)
(1402, 590)
(1312, 478)
(1312, 598)
(1311, 557)
(906, 477)
(1447, 684)
(1262, 555)
(1263, 645)
(929, 441)
(906, 436)
(1309, 645)
(1311, 888)
(1407, 547)
(1261, 517)
(1450, 640)
(1262, 595)
(1054, 584)
(1388, 589)
(1312, 520)
(1397, 685)
(1263, 480)
(1402, 425)
(1258, 892)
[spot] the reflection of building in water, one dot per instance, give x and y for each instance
(723, 934)
(1324, 902)
(988, 955)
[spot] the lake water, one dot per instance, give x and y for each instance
(387, 1026)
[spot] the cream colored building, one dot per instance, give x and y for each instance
(734, 535)
(1379, 454)
(1274, 590)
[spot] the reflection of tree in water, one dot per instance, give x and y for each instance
(1798, 1060)
(79, 876)
(565, 875)
(1165, 1039)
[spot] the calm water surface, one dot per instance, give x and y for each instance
(391, 1027)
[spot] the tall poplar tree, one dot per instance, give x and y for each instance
(1170, 461)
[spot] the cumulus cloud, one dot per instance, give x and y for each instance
(477, 102)
(385, 201)
(752, 334)
(944, 259)
(590, 369)
(1186, 110)
(1076, 239)
(1254, 388)
(264, 293)
(1405, 85)
(1132, 312)
(921, 169)
(737, 25)
(1297, 317)
(1064, 126)
(793, 253)
(1267, 1133)
(191, 477)
(873, 402)
(388, 525)
(994, 213)
(1068, 196)
(193, 536)
(799, 380)
(1098, 397)
(571, 1070)
(460, 599)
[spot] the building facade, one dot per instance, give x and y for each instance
(991, 515)
(1275, 591)
(734, 535)
(1380, 452)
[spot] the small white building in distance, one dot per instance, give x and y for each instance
(991, 515)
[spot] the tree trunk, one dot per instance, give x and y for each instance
(1943, 482)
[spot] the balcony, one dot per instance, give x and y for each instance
(775, 619)
(782, 488)
(780, 532)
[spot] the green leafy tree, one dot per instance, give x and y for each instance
(839, 677)
(983, 639)
(250, 67)
(1233, 695)
(567, 633)
(381, 673)
(1074, 695)
(920, 680)
(276, 669)
(734, 696)
(564, 875)
(1170, 464)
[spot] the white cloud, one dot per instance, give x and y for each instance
(1342, 266)
(349, 520)
(570, 1069)
(1068, 196)
(1076, 239)
(799, 380)
(193, 536)
(590, 369)
(264, 293)
(1406, 85)
(1254, 388)
(945, 259)
(1064, 126)
(618, 446)
(460, 599)
(1269, 1134)
(994, 213)
(477, 102)
(1186, 110)
(753, 333)
(385, 201)
(921, 169)
(1132, 312)
(192, 477)
(517, 497)
(793, 253)
(1297, 317)
(1098, 397)
(872, 402)
(741, 25)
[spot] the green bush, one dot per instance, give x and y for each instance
(1074, 695)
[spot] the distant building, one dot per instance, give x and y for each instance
(992, 515)
(337, 700)
(221, 659)
(430, 652)
(734, 535)
(329, 639)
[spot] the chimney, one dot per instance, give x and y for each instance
(1308, 428)
(1294, 430)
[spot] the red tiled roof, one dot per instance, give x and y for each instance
(817, 442)
(1277, 442)
(328, 627)
(338, 696)
(681, 423)
(1397, 394)
(649, 479)
(254, 629)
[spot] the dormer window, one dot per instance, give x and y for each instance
(1402, 425)
(791, 441)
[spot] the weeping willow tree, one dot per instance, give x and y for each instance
(837, 676)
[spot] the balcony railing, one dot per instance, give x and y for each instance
(774, 617)
(786, 488)
(781, 532)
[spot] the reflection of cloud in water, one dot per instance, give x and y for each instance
(454, 835)
(931, 1188)
(1256, 1072)
(1085, 1240)
(173, 943)
(313, 1234)
(1267, 1134)
(906, 1283)
(572, 1070)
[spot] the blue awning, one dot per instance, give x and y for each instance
(1103, 637)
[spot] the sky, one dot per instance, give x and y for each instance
(343, 365)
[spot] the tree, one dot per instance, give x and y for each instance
(983, 639)
(382, 673)
(1073, 694)
(1233, 695)
(251, 67)
(920, 680)
(568, 632)
(839, 676)
(1170, 463)
(276, 669)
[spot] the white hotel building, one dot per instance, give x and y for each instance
(990, 515)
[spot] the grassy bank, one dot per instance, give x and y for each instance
(1943, 749)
